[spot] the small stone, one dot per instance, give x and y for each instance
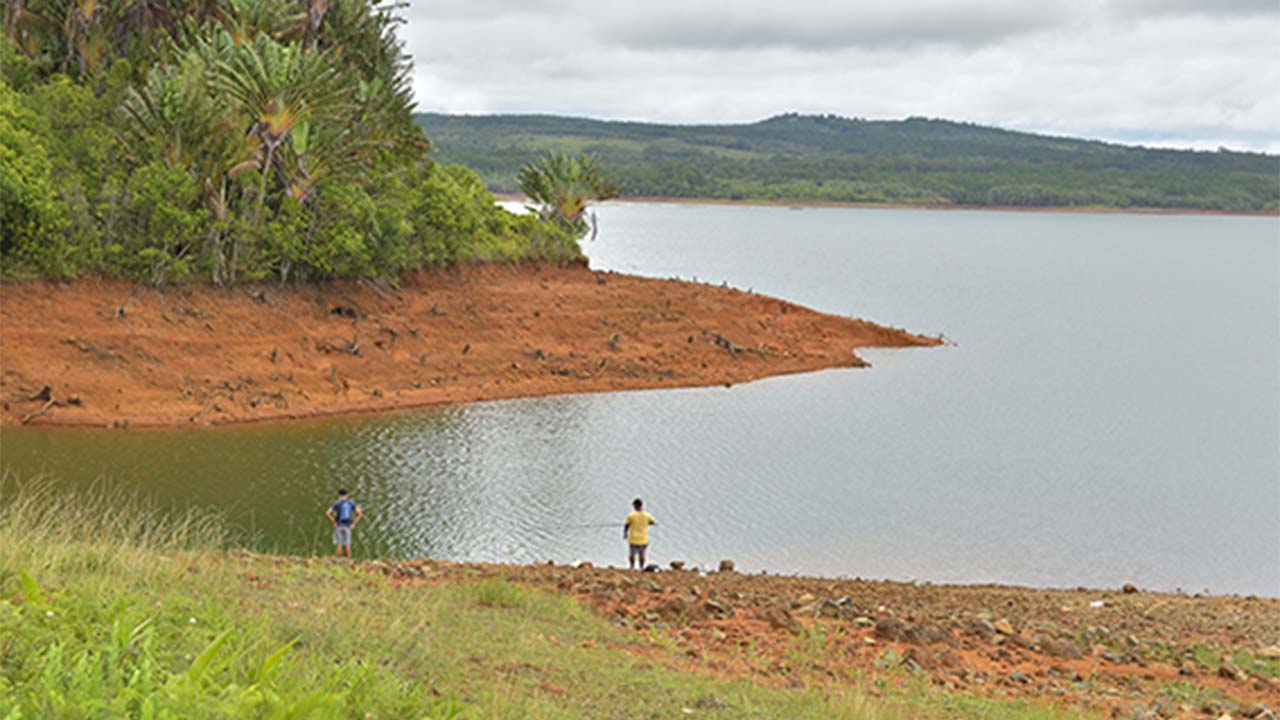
(1003, 627)
(830, 609)
(891, 628)
(1231, 672)
(926, 634)
(982, 627)
(726, 566)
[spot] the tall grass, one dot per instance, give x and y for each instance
(114, 608)
(45, 527)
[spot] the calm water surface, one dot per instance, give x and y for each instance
(1110, 413)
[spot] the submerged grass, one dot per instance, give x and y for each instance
(111, 608)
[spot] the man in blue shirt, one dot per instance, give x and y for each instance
(344, 515)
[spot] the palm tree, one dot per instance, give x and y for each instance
(563, 185)
(279, 86)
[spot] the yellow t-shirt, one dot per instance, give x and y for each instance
(638, 523)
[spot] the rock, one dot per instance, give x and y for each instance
(726, 566)
(1231, 672)
(891, 628)
(1271, 651)
(1129, 589)
(1057, 648)
(1254, 711)
(830, 609)
(864, 621)
(1021, 641)
(1003, 627)
(717, 609)
(780, 619)
(982, 628)
(677, 564)
(926, 634)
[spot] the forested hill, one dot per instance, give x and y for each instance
(827, 158)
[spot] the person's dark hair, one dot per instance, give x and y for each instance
(342, 492)
(637, 503)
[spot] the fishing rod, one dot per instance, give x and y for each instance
(591, 525)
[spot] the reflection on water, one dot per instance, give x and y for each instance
(1111, 414)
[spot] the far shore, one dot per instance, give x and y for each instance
(105, 353)
(1088, 210)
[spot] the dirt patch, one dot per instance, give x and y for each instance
(117, 355)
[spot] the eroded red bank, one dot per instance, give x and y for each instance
(116, 354)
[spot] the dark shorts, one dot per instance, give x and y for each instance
(637, 549)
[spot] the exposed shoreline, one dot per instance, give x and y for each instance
(1089, 210)
(115, 354)
(1098, 649)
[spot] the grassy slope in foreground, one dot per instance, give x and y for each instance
(149, 619)
(113, 353)
(146, 619)
(831, 159)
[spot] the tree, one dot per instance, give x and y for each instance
(563, 185)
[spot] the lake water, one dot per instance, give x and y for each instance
(1109, 413)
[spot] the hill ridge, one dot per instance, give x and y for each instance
(817, 157)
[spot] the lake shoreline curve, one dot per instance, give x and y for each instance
(853, 205)
(106, 353)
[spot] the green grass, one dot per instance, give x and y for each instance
(107, 609)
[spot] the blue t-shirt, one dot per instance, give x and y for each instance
(350, 508)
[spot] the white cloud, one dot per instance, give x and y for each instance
(1199, 73)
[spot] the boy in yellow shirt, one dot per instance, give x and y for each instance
(636, 531)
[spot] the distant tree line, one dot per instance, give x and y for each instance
(229, 140)
(827, 158)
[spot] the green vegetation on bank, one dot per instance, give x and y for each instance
(229, 140)
(109, 608)
(827, 158)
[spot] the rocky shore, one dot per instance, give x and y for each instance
(111, 354)
(1125, 652)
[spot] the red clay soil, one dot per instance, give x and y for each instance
(116, 354)
(1124, 652)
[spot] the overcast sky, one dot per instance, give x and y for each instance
(1179, 73)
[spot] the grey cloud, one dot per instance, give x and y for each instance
(823, 26)
(1156, 8)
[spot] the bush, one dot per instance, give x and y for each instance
(32, 221)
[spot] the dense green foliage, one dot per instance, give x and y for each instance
(827, 158)
(229, 140)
